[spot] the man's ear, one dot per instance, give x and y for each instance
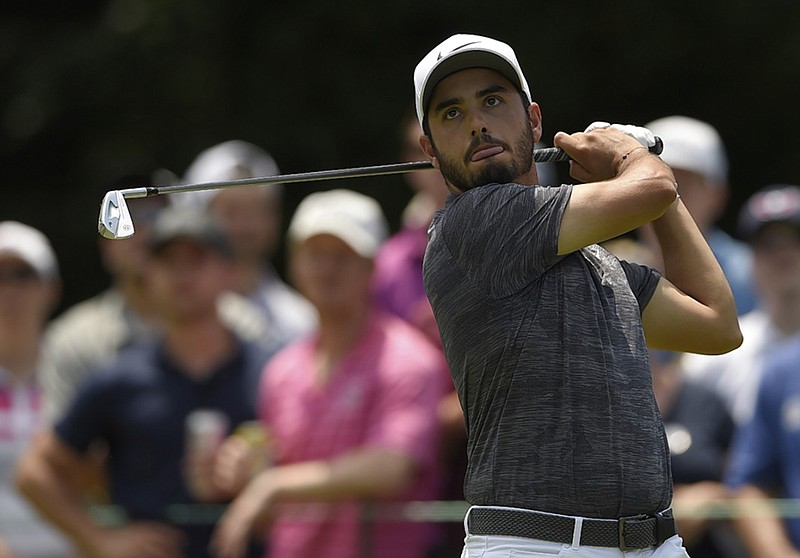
(535, 116)
(427, 147)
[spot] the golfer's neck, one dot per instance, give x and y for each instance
(530, 178)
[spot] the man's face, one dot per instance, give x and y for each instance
(330, 274)
(252, 219)
(187, 278)
(480, 132)
(26, 299)
(776, 262)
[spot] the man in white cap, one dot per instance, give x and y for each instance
(142, 408)
(352, 408)
(696, 154)
(88, 335)
(30, 288)
(252, 217)
(544, 331)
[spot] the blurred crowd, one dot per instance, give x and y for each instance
(219, 408)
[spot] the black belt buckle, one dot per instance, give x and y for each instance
(623, 544)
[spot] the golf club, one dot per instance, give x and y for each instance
(115, 220)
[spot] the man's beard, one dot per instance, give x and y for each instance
(455, 172)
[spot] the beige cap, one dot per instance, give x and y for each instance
(692, 145)
(29, 245)
(354, 218)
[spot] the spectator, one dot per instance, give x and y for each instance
(140, 406)
(29, 291)
(770, 220)
(696, 154)
(699, 429)
(398, 288)
(352, 408)
(398, 266)
(765, 461)
(76, 347)
(252, 217)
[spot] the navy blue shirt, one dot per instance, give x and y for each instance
(700, 429)
(766, 449)
(138, 407)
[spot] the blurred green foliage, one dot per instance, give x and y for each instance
(92, 90)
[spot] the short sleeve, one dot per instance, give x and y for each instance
(643, 281)
(88, 417)
(505, 235)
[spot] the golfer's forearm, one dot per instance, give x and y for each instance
(689, 263)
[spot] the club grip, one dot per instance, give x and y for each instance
(556, 154)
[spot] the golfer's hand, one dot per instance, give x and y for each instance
(599, 154)
(639, 133)
(139, 540)
(245, 514)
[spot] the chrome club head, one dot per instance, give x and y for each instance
(115, 220)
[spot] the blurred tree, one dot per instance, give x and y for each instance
(93, 90)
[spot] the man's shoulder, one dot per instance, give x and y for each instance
(93, 328)
(782, 361)
(499, 201)
(134, 365)
(287, 309)
(90, 312)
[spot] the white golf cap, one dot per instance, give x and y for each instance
(461, 52)
(29, 245)
(229, 160)
(352, 217)
(692, 145)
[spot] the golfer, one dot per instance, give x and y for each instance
(545, 332)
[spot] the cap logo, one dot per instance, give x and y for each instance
(458, 48)
(778, 204)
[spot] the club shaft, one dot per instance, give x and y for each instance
(545, 155)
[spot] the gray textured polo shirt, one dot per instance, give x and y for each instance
(548, 357)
